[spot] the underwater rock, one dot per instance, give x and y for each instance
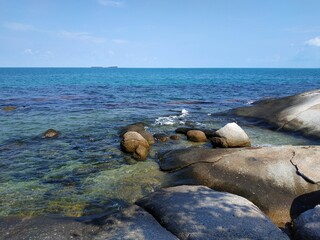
(162, 137)
(9, 108)
(231, 135)
(51, 133)
(175, 137)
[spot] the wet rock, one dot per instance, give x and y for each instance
(175, 137)
(133, 142)
(161, 137)
(139, 128)
(307, 225)
(9, 108)
(51, 133)
(266, 176)
(133, 223)
(183, 130)
(196, 136)
(197, 212)
(231, 135)
(298, 113)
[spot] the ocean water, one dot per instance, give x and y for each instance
(83, 172)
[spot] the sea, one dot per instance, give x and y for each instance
(83, 172)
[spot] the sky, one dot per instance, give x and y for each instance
(160, 33)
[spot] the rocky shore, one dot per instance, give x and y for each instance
(231, 190)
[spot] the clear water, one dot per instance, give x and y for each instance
(83, 172)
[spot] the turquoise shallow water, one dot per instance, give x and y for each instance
(83, 171)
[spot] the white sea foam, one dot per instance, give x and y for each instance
(172, 119)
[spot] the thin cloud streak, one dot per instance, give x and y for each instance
(111, 3)
(82, 36)
(19, 26)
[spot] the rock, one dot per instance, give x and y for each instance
(266, 176)
(133, 142)
(161, 137)
(231, 135)
(141, 153)
(9, 108)
(197, 212)
(298, 113)
(196, 136)
(133, 223)
(139, 128)
(39, 228)
(307, 225)
(175, 137)
(51, 133)
(183, 130)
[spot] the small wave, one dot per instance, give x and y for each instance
(250, 102)
(173, 119)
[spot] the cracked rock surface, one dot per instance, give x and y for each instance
(270, 177)
(294, 113)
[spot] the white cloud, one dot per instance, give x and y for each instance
(113, 3)
(82, 36)
(28, 51)
(314, 42)
(19, 26)
(119, 41)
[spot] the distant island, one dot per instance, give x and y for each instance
(104, 67)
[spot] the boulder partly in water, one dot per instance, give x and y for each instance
(231, 135)
(298, 113)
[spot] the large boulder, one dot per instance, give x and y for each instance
(307, 225)
(197, 212)
(269, 176)
(294, 113)
(231, 135)
(196, 136)
(135, 143)
(132, 223)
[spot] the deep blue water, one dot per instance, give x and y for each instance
(83, 171)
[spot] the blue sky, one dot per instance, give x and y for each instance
(162, 33)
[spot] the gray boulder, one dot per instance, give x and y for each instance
(266, 176)
(131, 224)
(197, 212)
(231, 135)
(307, 225)
(294, 113)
